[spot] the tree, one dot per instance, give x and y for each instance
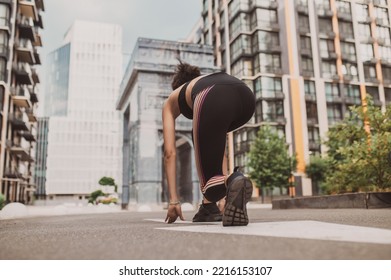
(269, 162)
(108, 181)
(317, 170)
(359, 148)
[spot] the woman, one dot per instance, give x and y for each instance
(217, 103)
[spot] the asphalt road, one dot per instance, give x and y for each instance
(144, 236)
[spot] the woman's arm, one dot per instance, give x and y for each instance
(170, 149)
(170, 113)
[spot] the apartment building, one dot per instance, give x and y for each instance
(20, 25)
(307, 61)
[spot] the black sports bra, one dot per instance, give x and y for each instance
(183, 107)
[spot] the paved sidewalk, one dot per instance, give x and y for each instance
(18, 210)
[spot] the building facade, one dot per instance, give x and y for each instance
(145, 86)
(20, 25)
(307, 61)
(84, 131)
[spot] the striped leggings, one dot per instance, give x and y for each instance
(218, 108)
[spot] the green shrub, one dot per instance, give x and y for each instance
(2, 201)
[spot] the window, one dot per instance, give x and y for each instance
(242, 67)
(313, 135)
(374, 92)
(352, 92)
(350, 70)
(240, 24)
(304, 24)
(262, 17)
(323, 4)
(305, 43)
(346, 29)
(387, 94)
(382, 15)
(3, 41)
(366, 52)
(307, 66)
(343, 7)
(264, 40)
(385, 53)
(312, 112)
(369, 72)
(362, 12)
(3, 65)
(325, 25)
(383, 33)
(331, 90)
(348, 51)
(266, 87)
(267, 62)
(240, 46)
(4, 15)
(326, 48)
(386, 74)
(334, 113)
(309, 89)
(329, 69)
(364, 31)
(272, 111)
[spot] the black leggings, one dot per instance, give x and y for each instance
(222, 104)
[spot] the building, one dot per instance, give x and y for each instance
(307, 62)
(84, 131)
(145, 86)
(41, 157)
(20, 24)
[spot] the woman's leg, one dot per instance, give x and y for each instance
(214, 109)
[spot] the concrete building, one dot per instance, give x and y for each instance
(145, 86)
(307, 62)
(20, 24)
(85, 135)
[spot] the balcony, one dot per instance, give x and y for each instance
(28, 135)
(19, 121)
(37, 58)
(21, 97)
(40, 5)
(39, 22)
(26, 29)
(31, 115)
(24, 50)
(273, 5)
(35, 76)
(28, 9)
(34, 97)
(22, 73)
(38, 40)
(12, 173)
(21, 153)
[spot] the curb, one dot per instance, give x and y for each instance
(369, 200)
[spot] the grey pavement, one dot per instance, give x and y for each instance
(272, 234)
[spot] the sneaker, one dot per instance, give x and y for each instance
(208, 213)
(239, 191)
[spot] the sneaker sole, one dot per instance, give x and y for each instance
(215, 218)
(235, 212)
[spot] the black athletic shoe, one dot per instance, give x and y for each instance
(239, 191)
(208, 213)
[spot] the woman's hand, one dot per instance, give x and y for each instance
(174, 211)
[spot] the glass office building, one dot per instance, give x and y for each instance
(85, 130)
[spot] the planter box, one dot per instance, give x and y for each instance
(370, 200)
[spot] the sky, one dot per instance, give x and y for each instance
(157, 19)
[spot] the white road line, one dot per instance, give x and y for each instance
(298, 229)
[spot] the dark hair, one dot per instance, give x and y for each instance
(184, 73)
